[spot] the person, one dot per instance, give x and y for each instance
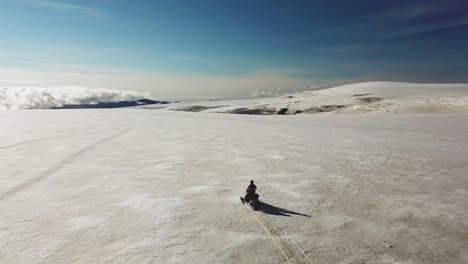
(251, 189)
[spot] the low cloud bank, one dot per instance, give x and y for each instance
(13, 98)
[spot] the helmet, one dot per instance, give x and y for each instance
(251, 181)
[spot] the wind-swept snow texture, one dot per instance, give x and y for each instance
(365, 188)
(12, 98)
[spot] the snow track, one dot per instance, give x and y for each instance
(288, 247)
(17, 188)
(44, 139)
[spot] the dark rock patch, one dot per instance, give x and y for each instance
(196, 108)
(369, 99)
(360, 95)
(253, 111)
(111, 104)
(324, 108)
(283, 111)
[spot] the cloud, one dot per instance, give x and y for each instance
(426, 28)
(414, 19)
(4, 54)
(67, 7)
(13, 98)
(165, 86)
(191, 58)
(412, 11)
(405, 20)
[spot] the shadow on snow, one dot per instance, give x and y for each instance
(273, 210)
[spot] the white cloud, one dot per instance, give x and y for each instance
(167, 86)
(12, 98)
(412, 11)
(191, 58)
(67, 7)
(5, 54)
(399, 17)
(405, 20)
(419, 29)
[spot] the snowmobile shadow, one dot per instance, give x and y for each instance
(273, 210)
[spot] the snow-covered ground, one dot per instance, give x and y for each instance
(161, 186)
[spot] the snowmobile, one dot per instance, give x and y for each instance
(254, 202)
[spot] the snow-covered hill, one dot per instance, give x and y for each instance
(370, 97)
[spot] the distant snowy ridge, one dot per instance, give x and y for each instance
(368, 97)
(13, 98)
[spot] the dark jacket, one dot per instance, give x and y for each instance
(251, 188)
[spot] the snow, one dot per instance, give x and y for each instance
(162, 186)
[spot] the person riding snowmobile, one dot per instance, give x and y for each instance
(251, 195)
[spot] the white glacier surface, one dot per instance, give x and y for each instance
(160, 186)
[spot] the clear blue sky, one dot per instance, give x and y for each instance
(295, 42)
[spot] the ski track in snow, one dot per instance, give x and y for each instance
(56, 167)
(288, 247)
(46, 138)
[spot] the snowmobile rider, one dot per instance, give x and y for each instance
(251, 191)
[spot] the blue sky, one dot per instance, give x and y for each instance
(216, 48)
